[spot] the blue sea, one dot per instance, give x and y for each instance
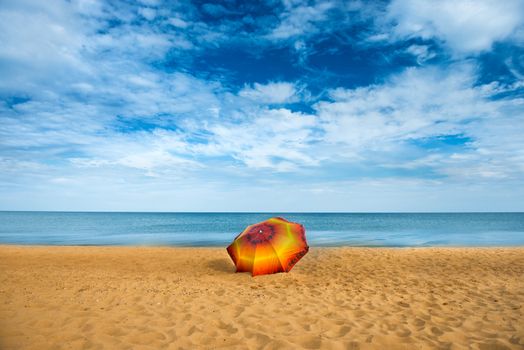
(218, 229)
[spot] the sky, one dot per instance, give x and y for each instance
(338, 106)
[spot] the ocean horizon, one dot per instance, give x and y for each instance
(422, 229)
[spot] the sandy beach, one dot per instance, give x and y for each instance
(190, 298)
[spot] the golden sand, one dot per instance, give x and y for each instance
(190, 298)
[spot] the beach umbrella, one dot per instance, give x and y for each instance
(271, 246)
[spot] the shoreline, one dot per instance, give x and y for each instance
(189, 297)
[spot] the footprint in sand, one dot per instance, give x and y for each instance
(192, 330)
(87, 327)
(515, 340)
(238, 311)
(404, 332)
(310, 342)
(436, 331)
(419, 323)
(338, 332)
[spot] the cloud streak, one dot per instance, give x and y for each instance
(464, 26)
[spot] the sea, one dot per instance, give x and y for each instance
(219, 229)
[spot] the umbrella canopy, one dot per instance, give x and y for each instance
(271, 246)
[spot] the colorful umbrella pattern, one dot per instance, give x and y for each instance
(271, 246)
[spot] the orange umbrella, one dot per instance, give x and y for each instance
(271, 246)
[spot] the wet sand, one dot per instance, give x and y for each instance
(190, 298)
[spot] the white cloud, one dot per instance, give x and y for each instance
(466, 26)
(80, 81)
(273, 92)
(155, 153)
(178, 22)
(407, 106)
(422, 52)
(37, 40)
(299, 19)
(381, 120)
(148, 13)
(275, 139)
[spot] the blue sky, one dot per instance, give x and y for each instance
(262, 106)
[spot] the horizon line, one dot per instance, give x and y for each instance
(261, 212)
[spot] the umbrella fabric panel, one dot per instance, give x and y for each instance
(291, 239)
(242, 255)
(266, 261)
(291, 260)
